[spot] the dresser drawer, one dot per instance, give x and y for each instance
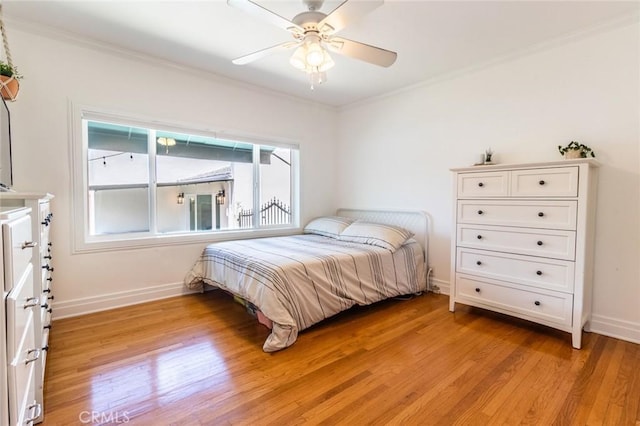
(552, 182)
(522, 270)
(22, 305)
(531, 214)
(483, 184)
(18, 249)
(21, 380)
(550, 307)
(556, 244)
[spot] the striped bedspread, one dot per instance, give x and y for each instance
(299, 280)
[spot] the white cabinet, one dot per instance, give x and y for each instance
(524, 241)
(40, 218)
(21, 307)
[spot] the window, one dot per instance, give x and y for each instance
(142, 181)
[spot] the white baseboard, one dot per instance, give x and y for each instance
(87, 305)
(612, 327)
(439, 286)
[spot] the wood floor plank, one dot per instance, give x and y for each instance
(603, 406)
(579, 402)
(198, 360)
(626, 391)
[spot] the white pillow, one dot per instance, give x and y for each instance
(377, 234)
(329, 226)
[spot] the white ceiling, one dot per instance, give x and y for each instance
(432, 38)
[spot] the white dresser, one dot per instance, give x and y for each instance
(21, 306)
(524, 236)
(39, 206)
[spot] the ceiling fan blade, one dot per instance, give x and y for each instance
(243, 60)
(347, 12)
(265, 14)
(363, 52)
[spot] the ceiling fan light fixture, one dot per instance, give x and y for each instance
(314, 53)
(298, 59)
(327, 62)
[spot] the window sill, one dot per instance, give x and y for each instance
(105, 243)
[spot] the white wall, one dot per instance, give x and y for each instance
(58, 72)
(396, 151)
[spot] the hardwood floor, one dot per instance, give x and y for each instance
(198, 359)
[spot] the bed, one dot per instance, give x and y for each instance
(355, 257)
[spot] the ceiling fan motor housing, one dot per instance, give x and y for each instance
(309, 20)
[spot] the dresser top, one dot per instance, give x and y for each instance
(25, 195)
(592, 162)
(8, 213)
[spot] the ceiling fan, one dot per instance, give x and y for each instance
(314, 35)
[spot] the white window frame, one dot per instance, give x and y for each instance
(83, 241)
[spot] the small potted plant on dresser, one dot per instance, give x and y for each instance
(576, 150)
(9, 84)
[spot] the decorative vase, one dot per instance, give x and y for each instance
(573, 153)
(9, 87)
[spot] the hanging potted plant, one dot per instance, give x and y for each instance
(576, 150)
(9, 75)
(9, 84)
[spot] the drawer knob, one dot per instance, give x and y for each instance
(47, 327)
(478, 263)
(29, 244)
(31, 302)
(539, 243)
(480, 184)
(540, 214)
(477, 290)
(37, 412)
(537, 303)
(47, 257)
(541, 182)
(50, 279)
(479, 237)
(46, 290)
(538, 272)
(32, 355)
(480, 212)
